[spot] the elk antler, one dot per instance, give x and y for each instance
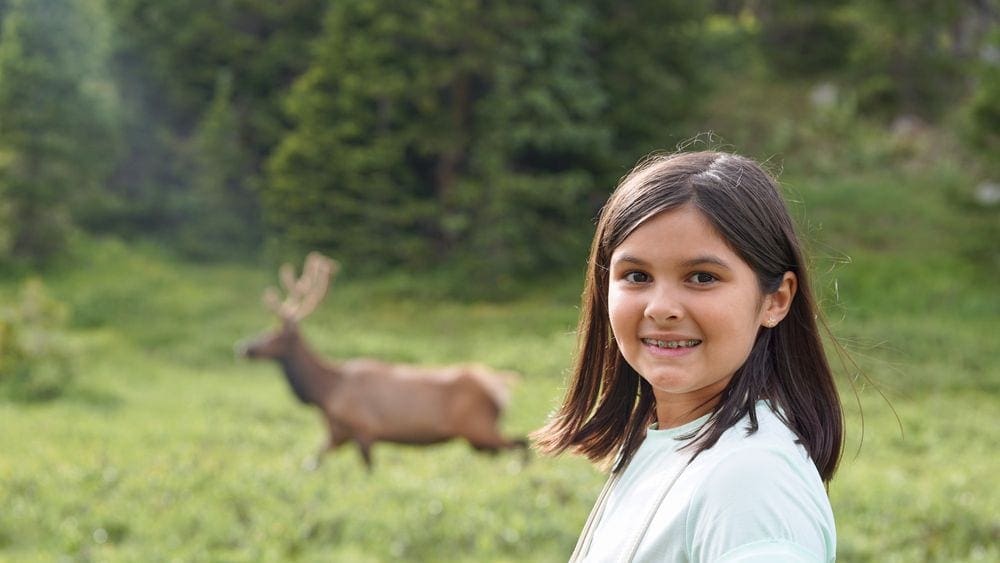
(304, 294)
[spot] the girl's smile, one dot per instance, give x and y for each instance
(685, 310)
(669, 346)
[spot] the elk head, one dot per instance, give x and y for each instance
(302, 296)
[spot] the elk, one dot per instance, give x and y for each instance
(366, 400)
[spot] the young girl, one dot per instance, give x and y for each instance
(701, 377)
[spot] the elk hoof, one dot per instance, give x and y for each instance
(310, 463)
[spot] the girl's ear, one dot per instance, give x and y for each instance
(776, 304)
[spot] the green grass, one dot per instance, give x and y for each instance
(167, 448)
(926, 491)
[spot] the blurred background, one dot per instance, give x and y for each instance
(160, 158)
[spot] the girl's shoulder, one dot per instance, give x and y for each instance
(759, 472)
(759, 487)
(765, 470)
(771, 435)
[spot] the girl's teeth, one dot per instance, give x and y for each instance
(673, 343)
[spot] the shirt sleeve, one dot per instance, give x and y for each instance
(760, 504)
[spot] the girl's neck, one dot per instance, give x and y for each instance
(673, 414)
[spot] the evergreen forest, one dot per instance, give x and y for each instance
(474, 138)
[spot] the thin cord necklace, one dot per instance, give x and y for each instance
(587, 536)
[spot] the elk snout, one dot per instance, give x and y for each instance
(269, 345)
(241, 349)
(249, 349)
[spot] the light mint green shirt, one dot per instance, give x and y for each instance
(756, 498)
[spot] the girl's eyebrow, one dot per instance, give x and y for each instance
(705, 259)
(631, 260)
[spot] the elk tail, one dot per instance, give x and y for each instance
(496, 383)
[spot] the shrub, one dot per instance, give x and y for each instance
(35, 359)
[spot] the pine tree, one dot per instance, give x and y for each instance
(455, 132)
(168, 59)
(340, 180)
(541, 137)
(653, 66)
(56, 121)
(220, 216)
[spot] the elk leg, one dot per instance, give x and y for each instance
(336, 436)
(365, 447)
(525, 448)
(523, 444)
(488, 439)
(504, 444)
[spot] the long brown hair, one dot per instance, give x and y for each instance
(608, 406)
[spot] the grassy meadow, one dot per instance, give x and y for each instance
(166, 448)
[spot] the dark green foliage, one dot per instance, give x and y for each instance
(183, 44)
(983, 109)
(654, 65)
(339, 179)
(806, 39)
(538, 141)
(913, 56)
(220, 217)
(461, 132)
(441, 131)
(896, 56)
(169, 57)
(469, 137)
(56, 121)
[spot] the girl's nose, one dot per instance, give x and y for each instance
(664, 307)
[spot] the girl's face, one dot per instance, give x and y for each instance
(685, 310)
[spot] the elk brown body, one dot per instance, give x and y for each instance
(367, 400)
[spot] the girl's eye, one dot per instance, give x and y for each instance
(636, 277)
(702, 278)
